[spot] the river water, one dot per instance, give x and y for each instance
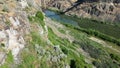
(107, 29)
(57, 17)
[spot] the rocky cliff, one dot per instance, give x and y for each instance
(29, 39)
(105, 10)
(14, 26)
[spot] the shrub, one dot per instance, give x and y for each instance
(5, 8)
(38, 18)
(72, 64)
(99, 34)
(115, 57)
(30, 18)
(40, 15)
(2, 44)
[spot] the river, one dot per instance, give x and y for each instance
(57, 17)
(107, 29)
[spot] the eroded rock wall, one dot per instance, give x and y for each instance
(105, 10)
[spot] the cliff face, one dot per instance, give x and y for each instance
(28, 39)
(113, 1)
(14, 26)
(24, 40)
(105, 10)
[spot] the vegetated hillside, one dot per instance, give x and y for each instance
(104, 10)
(28, 39)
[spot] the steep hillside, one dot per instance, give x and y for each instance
(29, 39)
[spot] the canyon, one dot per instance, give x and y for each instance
(32, 35)
(104, 10)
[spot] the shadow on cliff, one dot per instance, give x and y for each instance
(78, 2)
(74, 5)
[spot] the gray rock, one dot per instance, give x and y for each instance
(2, 57)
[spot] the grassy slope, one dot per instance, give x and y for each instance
(100, 29)
(95, 50)
(69, 49)
(104, 27)
(9, 60)
(30, 57)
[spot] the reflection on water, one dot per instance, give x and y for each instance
(57, 17)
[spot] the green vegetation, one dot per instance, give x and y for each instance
(61, 30)
(38, 18)
(103, 30)
(7, 23)
(103, 27)
(5, 8)
(9, 60)
(70, 50)
(2, 45)
(99, 54)
(40, 54)
(28, 58)
(29, 54)
(40, 15)
(97, 34)
(102, 59)
(100, 35)
(115, 57)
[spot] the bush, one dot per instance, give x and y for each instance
(72, 64)
(38, 18)
(5, 8)
(99, 34)
(40, 15)
(115, 57)
(30, 18)
(101, 57)
(2, 44)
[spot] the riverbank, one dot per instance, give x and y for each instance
(92, 27)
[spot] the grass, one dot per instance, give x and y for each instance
(38, 18)
(100, 53)
(5, 8)
(61, 30)
(96, 33)
(74, 58)
(102, 57)
(7, 23)
(103, 27)
(28, 60)
(68, 49)
(103, 30)
(40, 15)
(29, 54)
(9, 60)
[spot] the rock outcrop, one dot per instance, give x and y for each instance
(28, 39)
(105, 10)
(14, 25)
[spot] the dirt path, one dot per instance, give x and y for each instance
(55, 26)
(104, 44)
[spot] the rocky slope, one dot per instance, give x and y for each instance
(104, 10)
(28, 39)
(14, 26)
